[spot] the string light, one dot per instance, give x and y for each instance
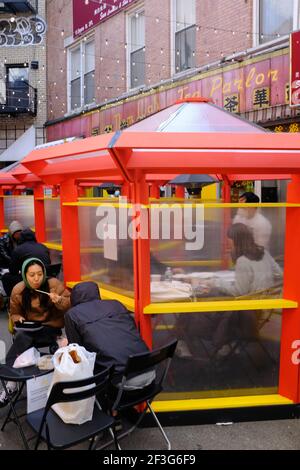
(214, 29)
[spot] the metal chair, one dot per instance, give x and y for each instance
(138, 364)
(59, 435)
(19, 376)
(260, 319)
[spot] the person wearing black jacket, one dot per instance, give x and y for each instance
(106, 328)
(28, 248)
(8, 242)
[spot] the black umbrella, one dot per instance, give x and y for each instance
(193, 183)
(186, 180)
(110, 187)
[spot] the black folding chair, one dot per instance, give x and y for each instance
(136, 365)
(59, 435)
(19, 376)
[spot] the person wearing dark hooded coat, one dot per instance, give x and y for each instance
(35, 298)
(106, 328)
(28, 247)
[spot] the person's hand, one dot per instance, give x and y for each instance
(62, 341)
(56, 299)
(20, 319)
(206, 286)
(178, 271)
(205, 289)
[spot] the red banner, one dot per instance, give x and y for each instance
(86, 16)
(295, 68)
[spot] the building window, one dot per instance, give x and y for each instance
(82, 74)
(185, 34)
(17, 86)
(136, 49)
(275, 19)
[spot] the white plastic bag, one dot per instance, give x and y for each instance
(73, 362)
(27, 358)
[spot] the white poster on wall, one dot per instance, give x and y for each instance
(110, 242)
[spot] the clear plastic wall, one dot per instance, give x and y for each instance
(221, 353)
(192, 258)
(56, 257)
(53, 220)
(106, 251)
(19, 208)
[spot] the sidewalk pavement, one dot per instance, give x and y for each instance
(259, 435)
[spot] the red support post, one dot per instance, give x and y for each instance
(142, 260)
(155, 191)
(179, 192)
(16, 192)
(81, 191)
(55, 192)
(39, 213)
(2, 216)
(226, 190)
(70, 231)
(290, 328)
(227, 220)
(125, 190)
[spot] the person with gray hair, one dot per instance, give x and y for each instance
(8, 243)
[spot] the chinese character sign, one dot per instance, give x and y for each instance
(86, 15)
(295, 69)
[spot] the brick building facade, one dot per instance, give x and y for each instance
(214, 38)
(23, 94)
(133, 58)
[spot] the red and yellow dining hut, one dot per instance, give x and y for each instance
(127, 246)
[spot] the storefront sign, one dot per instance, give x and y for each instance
(295, 69)
(86, 15)
(253, 86)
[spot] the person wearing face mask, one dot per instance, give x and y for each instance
(27, 304)
(259, 225)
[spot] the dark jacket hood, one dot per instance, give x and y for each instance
(27, 235)
(84, 292)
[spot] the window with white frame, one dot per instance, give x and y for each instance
(185, 34)
(136, 49)
(275, 18)
(82, 74)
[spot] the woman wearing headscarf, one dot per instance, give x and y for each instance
(28, 304)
